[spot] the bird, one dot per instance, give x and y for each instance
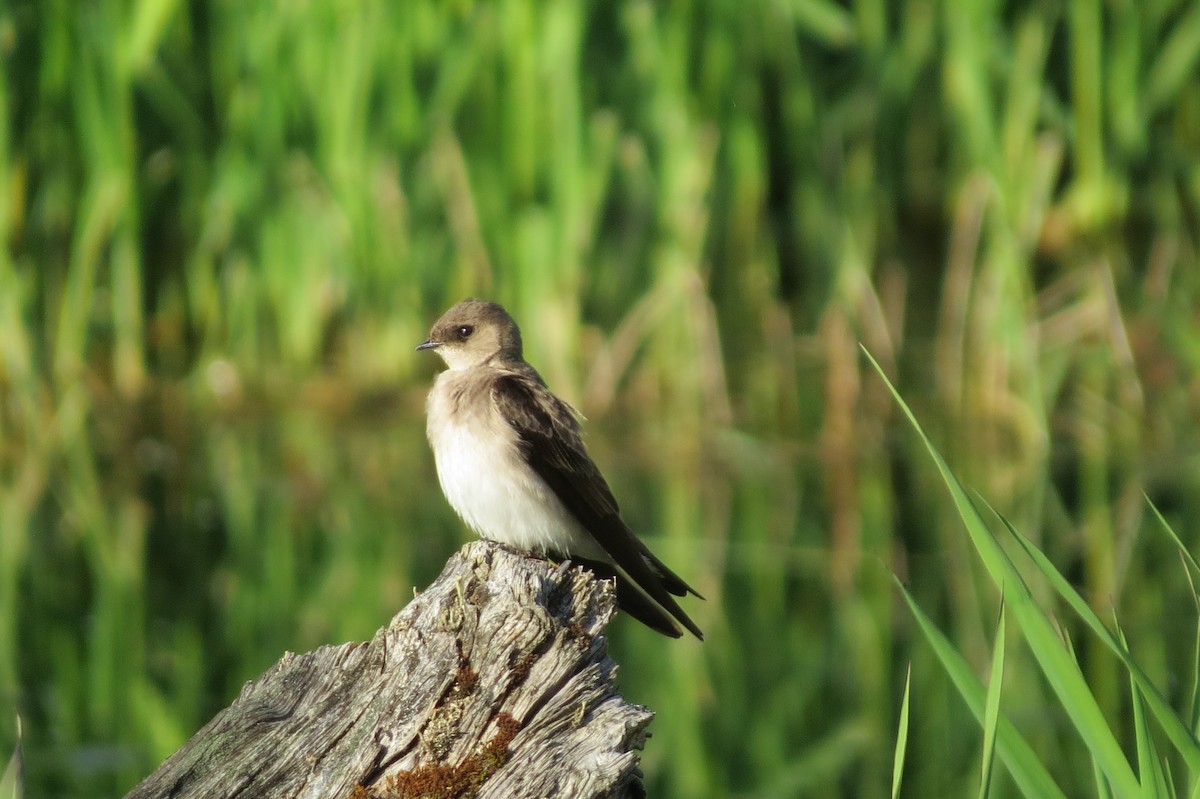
(511, 461)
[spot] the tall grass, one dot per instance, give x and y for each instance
(228, 224)
(1056, 658)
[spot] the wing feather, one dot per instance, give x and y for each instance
(548, 433)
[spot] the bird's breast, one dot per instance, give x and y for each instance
(486, 478)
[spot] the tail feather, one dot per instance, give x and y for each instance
(638, 604)
(669, 579)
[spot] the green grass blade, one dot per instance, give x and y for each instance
(991, 715)
(1018, 756)
(1183, 550)
(1171, 792)
(901, 736)
(1194, 704)
(1186, 557)
(1103, 785)
(1056, 663)
(1153, 780)
(1103, 789)
(1179, 734)
(11, 782)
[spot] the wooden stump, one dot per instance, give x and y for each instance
(495, 682)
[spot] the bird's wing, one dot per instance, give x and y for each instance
(549, 439)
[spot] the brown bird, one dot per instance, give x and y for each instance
(512, 464)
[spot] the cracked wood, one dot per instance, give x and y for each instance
(494, 682)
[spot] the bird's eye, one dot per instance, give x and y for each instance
(465, 331)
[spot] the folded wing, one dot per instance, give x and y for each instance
(551, 444)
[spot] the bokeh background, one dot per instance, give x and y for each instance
(227, 224)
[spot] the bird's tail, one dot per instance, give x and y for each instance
(638, 604)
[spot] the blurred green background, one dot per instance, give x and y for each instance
(227, 224)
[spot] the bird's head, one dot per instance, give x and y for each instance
(472, 333)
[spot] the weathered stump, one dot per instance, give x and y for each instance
(495, 682)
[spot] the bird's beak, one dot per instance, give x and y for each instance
(428, 344)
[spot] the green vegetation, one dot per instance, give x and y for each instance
(228, 224)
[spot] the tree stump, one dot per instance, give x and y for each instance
(495, 682)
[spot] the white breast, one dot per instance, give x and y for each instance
(487, 481)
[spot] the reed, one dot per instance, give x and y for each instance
(228, 224)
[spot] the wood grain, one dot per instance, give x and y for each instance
(494, 682)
